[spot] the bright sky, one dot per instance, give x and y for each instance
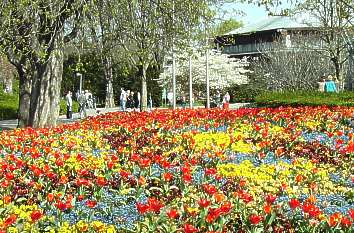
(251, 13)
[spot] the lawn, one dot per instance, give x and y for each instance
(246, 170)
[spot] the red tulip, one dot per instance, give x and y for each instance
(36, 215)
(267, 208)
(187, 178)
(294, 203)
(50, 197)
(144, 162)
(91, 203)
(203, 203)
(59, 162)
(172, 213)
(61, 205)
(142, 208)
(101, 181)
(351, 213)
(213, 214)
(255, 219)
(334, 219)
(9, 176)
(5, 184)
(7, 199)
(155, 205)
(271, 198)
(226, 207)
(80, 197)
(209, 189)
(167, 177)
(210, 171)
(188, 228)
(10, 220)
(346, 222)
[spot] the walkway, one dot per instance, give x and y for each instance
(11, 124)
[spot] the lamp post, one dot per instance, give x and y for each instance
(190, 83)
(80, 76)
(207, 79)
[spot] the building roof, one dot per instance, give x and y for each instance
(273, 23)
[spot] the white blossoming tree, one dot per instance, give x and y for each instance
(223, 73)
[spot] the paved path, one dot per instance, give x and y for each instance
(11, 124)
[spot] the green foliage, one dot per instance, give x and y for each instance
(92, 75)
(244, 93)
(9, 103)
(63, 107)
(125, 77)
(8, 106)
(304, 98)
(227, 26)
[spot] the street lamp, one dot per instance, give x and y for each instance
(80, 76)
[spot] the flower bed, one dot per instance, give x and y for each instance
(248, 170)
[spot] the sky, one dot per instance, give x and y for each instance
(251, 13)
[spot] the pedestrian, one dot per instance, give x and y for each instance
(82, 105)
(137, 98)
(130, 101)
(338, 86)
(89, 100)
(183, 102)
(69, 105)
(226, 101)
(321, 84)
(123, 99)
(218, 99)
(170, 99)
(330, 85)
(150, 102)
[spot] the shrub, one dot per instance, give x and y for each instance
(8, 106)
(63, 107)
(304, 98)
(243, 93)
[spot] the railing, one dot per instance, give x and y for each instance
(248, 48)
(268, 46)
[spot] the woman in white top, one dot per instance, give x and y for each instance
(226, 100)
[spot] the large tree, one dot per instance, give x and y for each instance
(7, 74)
(297, 68)
(32, 34)
(335, 18)
(147, 30)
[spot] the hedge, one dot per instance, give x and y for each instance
(9, 106)
(304, 98)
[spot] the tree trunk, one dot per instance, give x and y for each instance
(108, 71)
(144, 94)
(45, 95)
(24, 99)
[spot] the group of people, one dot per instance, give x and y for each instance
(85, 99)
(328, 84)
(129, 100)
(224, 103)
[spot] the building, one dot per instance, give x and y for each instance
(254, 39)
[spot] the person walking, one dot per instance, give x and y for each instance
(330, 85)
(137, 98)
(130, 101)
(321, 84)
(69, 105)
(82, 105)
(123, 99)
(183, 102)
(150, 102)
(226, 101)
